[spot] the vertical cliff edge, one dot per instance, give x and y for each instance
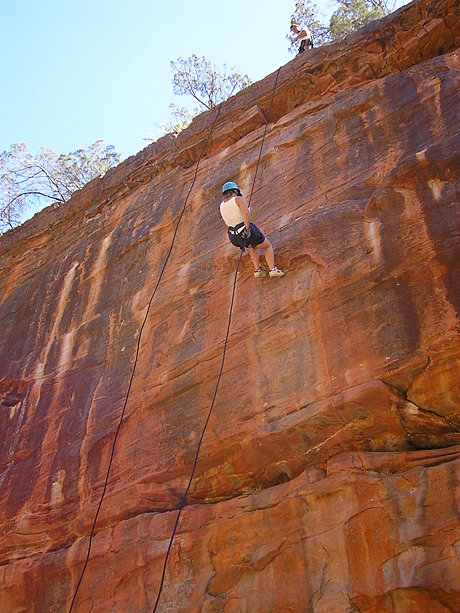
(328, 479)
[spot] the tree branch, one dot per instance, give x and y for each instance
(36, 193)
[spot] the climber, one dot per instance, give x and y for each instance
(242, 233)
(304, 35)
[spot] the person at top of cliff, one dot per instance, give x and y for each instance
(304, 35)
(243, 233)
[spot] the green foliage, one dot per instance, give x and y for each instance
(32, 180)
(354, 14)
(181, 118)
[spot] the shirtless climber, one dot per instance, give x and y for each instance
(242, 233)
(304, 35)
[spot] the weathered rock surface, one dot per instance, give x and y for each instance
(328, 477)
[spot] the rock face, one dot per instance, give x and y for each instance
(328, 476)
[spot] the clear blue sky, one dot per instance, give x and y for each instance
(75, 71)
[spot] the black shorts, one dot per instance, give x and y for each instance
(256, 238)
(306, 42)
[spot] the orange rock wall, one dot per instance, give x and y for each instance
(328, 477)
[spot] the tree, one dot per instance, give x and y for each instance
(199, 78)
(27, 179)
(205, 83)
(354, 14)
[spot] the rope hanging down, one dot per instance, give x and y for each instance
(136, 359)
(184, 499)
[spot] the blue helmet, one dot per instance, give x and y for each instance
(229, 186)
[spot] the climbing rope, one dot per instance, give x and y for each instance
(136, 359)
(184, 499)
(265, 132)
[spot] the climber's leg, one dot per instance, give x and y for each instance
(254, 254)
(269, 254)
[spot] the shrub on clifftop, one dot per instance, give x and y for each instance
(205, 83)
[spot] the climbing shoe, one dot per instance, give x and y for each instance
(275, 272)
(259, 273)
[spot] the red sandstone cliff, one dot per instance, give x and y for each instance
(328, 477)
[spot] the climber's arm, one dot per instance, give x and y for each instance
(241, 202)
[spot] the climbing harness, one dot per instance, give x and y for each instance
(136, 359)
(184, 499)
(240, 230)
